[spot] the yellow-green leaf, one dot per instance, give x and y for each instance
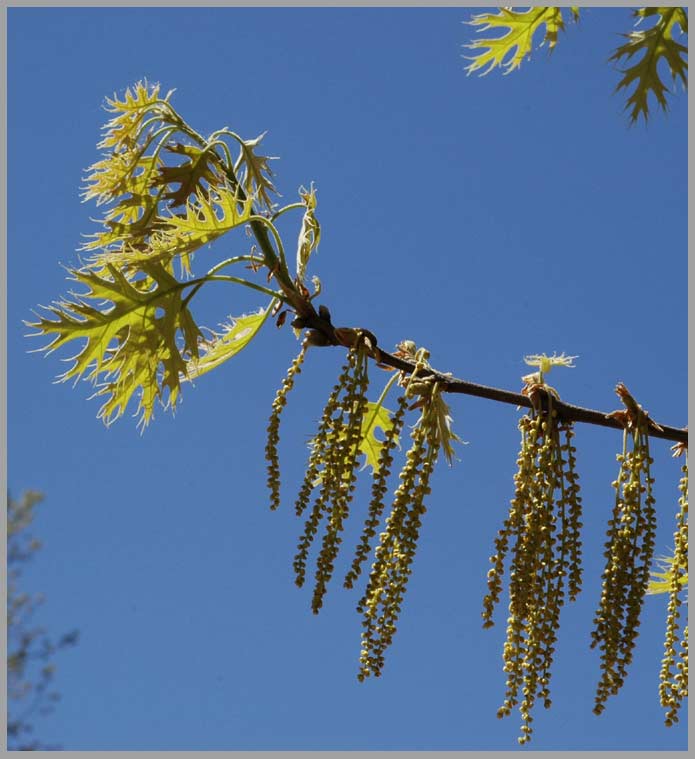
(138, 336)
(206, 218)
(509, 50)
(122, 131)
(660, 581)
(234, 337)
(256, 178)
(655, 44)
(120, 173)
(375, 417)
(202, 165)
(309, 233)
(132, 221)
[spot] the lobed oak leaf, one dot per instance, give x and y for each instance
(509, 50)
(123, 130)
(375, 417)
(204, 219)
(132, 221)
(189, 176)
(656, 44)
(256, 179)
(138, 335)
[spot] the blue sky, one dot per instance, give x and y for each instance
(484, 218)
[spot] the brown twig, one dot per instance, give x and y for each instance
(566, 411)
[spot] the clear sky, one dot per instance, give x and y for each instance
(484, 218)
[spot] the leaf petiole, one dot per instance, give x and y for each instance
(198, 283)
(290, 207)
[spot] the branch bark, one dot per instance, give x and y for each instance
(308, 317)
(566, 411)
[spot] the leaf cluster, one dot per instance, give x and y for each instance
(168, 192)
(646, 49)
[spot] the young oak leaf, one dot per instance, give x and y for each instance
(199, 166)
(123, 130)
(656, 44)
(201, 224)
(375, 417)
(309, 233)
(236, 334)
(256, 179)
(142, 340)
(132, 221)
(509, 50)
(116, 175)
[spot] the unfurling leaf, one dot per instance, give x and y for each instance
(656, 44)
(142, 341)
(310, 232)
(234, 337)
(256, 177)
(509, 50)
(120, 173)
(123, 130)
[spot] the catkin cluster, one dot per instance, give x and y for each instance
(332, 471)
(379, 489)
(271, 448)
(673, 677)
(629, 551)
(542, 535)
(380, 605)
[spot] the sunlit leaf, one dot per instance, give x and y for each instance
(509, 50)
(234, 337)
(375, 417)
(118, 174)
(204, 220)
(202, 164)
(655, 45)
(256, 177)
(660, 581)
(309, 233)
(122, 131)
(138, 336)
(132, 221)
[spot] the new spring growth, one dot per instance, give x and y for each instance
(383, 597)
(544, 364)
(629, 550)
(271, 448)
(332, 470)
(542, 536)
(379, 487)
